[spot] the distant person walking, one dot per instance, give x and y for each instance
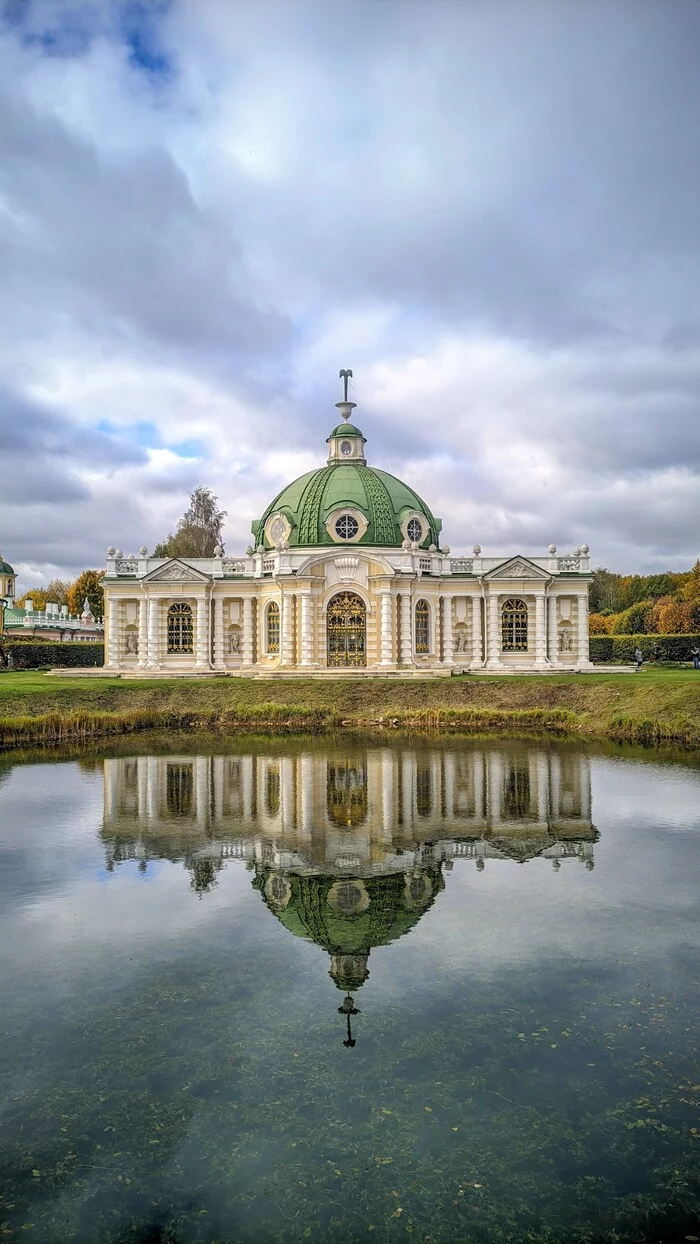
(695, 654)
(656, 653)
(638, 657)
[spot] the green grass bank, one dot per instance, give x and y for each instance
(654, 706)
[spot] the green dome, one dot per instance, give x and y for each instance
(385, 502)
(346, 429)
(5, 567)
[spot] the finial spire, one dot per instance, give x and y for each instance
(344, 374)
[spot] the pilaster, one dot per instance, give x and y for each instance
(553, 629)
(477, 654)
(386, 636)
(219, 638)
(406, 636)
(493, 633)
(582, 656)
(247, 631)
(307, 638)
(540, 632)
(143, 632)
(447, 632)
(202, 634)
(153, 655)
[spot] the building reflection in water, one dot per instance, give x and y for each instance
(348, 848)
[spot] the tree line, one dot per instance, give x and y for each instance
(657, 604)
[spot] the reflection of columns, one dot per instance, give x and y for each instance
(112, 775)
(387, 646)
(540, 635)
(582, 627)
(494, 789)
(307, 639)
(113, 633)
(201, 788)
(306, 776)
(218, 633)
(143, 631)
(494, 637)
(287, 636)
(153, 660)
(216, 803)
(447, 634)
(407, 788)
(542, 788)
(202, 635)
(247, 630)
(152, 789)
(247, 763)
(142, 779)
(287, 794)
(387, 794)
(406, 645)
(479, 772)
(553, 633)
(448, 784)
(477, 657)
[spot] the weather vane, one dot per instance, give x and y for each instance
(345, 373)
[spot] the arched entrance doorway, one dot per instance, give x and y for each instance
(346, 630)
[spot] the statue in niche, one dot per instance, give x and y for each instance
(565, 643)
(131, 646)
(234, 641)
(461, 639)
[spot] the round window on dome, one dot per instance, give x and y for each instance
(347, 527)
(346, 448)
(415, 530)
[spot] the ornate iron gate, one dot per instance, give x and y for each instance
(346, 630)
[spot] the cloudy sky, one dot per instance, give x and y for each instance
(491, 212)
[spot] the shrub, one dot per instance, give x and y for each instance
(32, 654)
(617, 649)
(633, 621)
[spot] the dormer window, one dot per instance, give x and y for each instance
(347, 527)
(415, 530)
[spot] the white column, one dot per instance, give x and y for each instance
(406, 638)
(287, 636)
(307, 639)
(219, 637)
(540, 634)
(113, 633)
(553, 631)
(143, 632)
(447, 633)
(153, 656)
(386, 643)
(477, 655)
(247, 630)
(202, 634)
(582, 657)
(494, 631)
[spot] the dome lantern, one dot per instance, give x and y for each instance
(346, 442)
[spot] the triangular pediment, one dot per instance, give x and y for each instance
(176, 571)
(517, 568)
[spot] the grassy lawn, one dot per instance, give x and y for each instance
(657, 704)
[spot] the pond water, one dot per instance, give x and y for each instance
(274, 990)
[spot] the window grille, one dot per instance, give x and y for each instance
(273, 627)
(422, 626)
(347, 527)
(415, 530)
(180, 629)
(514, 626)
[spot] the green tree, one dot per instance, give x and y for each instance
(606, 593)
(633, 621)
(198, 531)
(87, 586)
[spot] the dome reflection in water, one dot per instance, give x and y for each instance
(348, 851)
(272, 990)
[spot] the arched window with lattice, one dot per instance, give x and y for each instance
(422, 626)
(180, 629)
(514, 625)
(272, 627)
